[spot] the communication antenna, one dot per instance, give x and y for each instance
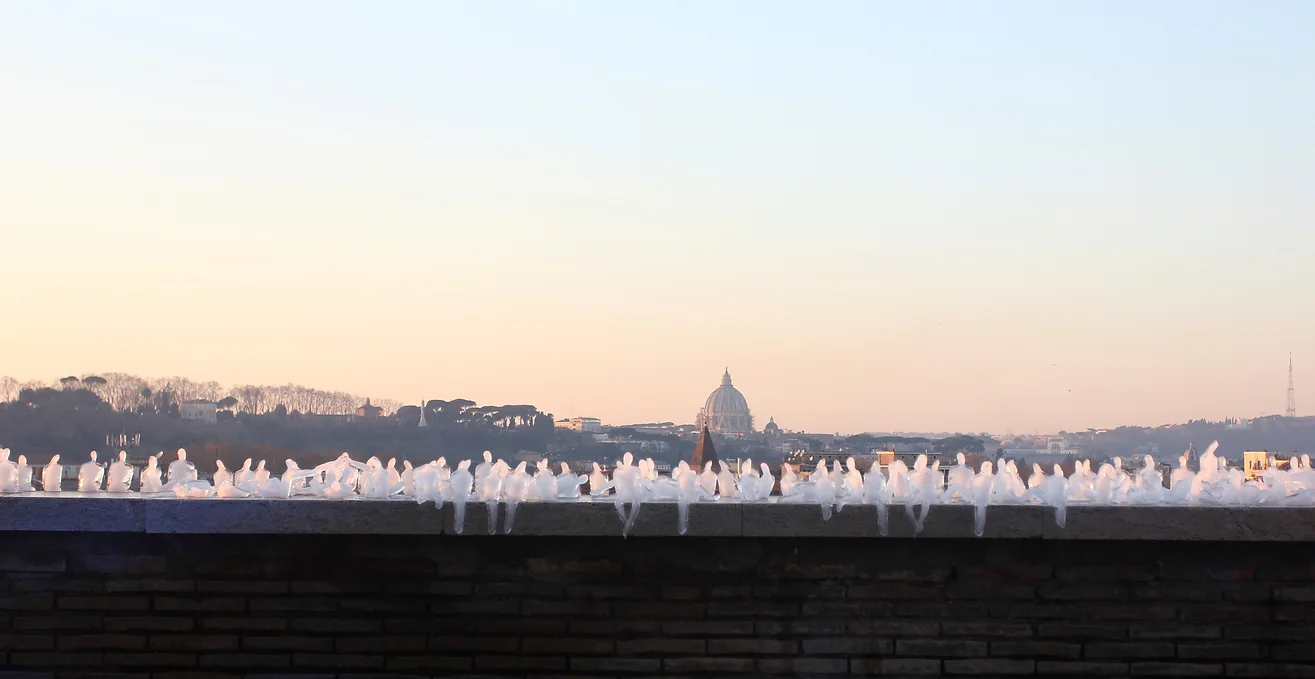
(1292, 391)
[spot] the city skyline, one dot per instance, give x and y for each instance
(758, 422)
(926, 217)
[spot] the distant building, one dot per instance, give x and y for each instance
(199, 411)
(1255, 462)
(725, 411)
(588, 425)
(772, 429)
(368, 411)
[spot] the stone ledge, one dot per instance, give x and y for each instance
(105, 513)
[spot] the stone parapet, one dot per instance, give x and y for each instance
(106, 513)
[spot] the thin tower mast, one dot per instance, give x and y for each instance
(1292, 391)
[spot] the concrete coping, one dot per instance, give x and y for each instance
(107, 513)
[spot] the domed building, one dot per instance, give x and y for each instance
(772, 429)
(725, 411)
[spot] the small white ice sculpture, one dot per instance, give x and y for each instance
(460, 483)
(90, 475)
(120, 475)
(150, 476)
(8, 473)
(52, 475)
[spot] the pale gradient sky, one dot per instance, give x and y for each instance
(1010, 216)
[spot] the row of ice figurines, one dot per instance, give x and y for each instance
(633, 483)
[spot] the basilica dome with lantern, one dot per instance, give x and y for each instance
(726, 411)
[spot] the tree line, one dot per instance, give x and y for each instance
(130, 393)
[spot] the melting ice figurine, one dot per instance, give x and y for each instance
(960, 481)
(120, 476)
(514, 489)
(181, 472)
(690, 491)
(983, 484)
(90, 474)
(598, 482)
(625, 478)
(877, 492)
(545, 483)
(222, 475)
(708, 479)
(408, 479)
(788, 480)
(150, 476)
(24, 475)
(461, 483)
(568, 484)
(924, 486)
(52, 475)
(748, 481)
(8, 473)
(726, 486)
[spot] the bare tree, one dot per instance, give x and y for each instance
(123, 391)
(387, 406)
(8, 388)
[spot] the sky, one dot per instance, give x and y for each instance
(1012, 217)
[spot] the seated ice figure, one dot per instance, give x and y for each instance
(8, 473)
(90, 475)
(460, 485)
(24, 475)
(568, 484)
(395, 484)
(726, 486)
(960, 481)
(52, 475)
(222, 475)
(748, 481)
(788, 480)
(408, 479)
(545, 483)
(983, 485)
(482, 470)
(689, 491)
(599, 484)
(181, 472)
(259, 478)
(120, 475)
(708, 479)
(877, 492)
(244, 477)
(150, 476)
(515, 487)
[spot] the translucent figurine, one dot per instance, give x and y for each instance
(545, 484)
(877, 492)
(120, 475)
(598, 482)
(726, 486)
(461, 485)
(24, 475)
(8, 473)
(90, 475)
(181, 472)
(150, 476)
(708, 479)
(515, 487)
(568, 484)
(244, 477)
(689, 491)
(52, 475)
(222, 475)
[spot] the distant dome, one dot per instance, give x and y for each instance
(726, 411)
(771, 427)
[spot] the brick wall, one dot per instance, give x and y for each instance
(171, 607)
